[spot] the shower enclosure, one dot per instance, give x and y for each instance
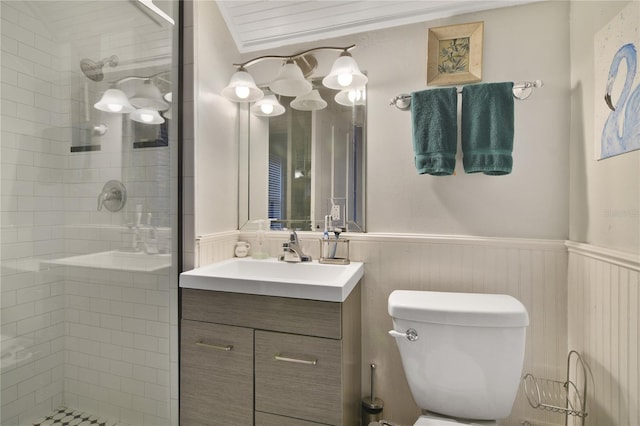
(89, 183)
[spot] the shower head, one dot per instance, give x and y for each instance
(93, 70)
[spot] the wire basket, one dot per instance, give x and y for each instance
(556, 396)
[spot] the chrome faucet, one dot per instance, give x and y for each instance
(293, 251)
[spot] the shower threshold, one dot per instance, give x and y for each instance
(64, 416)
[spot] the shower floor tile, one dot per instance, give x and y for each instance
(64, 416)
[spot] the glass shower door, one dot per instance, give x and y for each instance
(89, 212)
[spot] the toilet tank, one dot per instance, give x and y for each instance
(467, 360)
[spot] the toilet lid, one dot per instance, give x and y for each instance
(433, 420)
(463, 309)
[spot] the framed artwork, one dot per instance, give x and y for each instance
(617, 85)
(454, 54)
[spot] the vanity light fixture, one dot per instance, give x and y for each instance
(290, 80)
(309, 102)
(148, 96)
(144, 104)
(345, 74)
(242, 88)
(351, 97)
(146, 116)
(115, 101)
(268, 107)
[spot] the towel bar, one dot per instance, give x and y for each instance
(521, 90)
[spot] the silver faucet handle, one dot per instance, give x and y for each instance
(293, 238)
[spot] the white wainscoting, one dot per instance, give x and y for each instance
(533, 271)
(604, 325)
(215, 247)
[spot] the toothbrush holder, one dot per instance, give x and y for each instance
(334, 251)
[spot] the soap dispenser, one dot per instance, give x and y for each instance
(260, 251)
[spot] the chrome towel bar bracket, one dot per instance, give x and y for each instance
(521, 90)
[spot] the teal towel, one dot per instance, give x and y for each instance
(435, 130)
(487, 128)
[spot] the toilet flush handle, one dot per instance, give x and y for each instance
(411, 335)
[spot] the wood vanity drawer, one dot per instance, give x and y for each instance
(216, 374)
(299, 377)
(299, 316)
(266, 419)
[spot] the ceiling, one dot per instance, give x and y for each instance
(263, 24)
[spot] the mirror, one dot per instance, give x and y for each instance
(297, 167)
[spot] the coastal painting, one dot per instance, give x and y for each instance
(617, 85)
(454, 54)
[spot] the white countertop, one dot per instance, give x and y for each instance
(271, 277)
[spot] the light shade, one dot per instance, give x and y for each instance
(242, 88)
(267, 107)
(148, 96)
(115, 101)
(309, 102)
(345, 74)
(168, 114)
(146, 116)
(290, 81)
(351, 97)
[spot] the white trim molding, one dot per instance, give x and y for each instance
(528, 243)
(615, 257)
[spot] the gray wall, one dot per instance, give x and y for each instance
(605, 195)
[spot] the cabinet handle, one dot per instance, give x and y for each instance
(218, 347)
(280, 357)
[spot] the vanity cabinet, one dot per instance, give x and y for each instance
(265, 360)
(216, 374)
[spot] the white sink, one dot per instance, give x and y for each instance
(271, 277)
(118, 260)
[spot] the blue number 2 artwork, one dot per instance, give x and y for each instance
(621, 131)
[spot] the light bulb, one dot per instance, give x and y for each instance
(147, 118)
(115, 107)
(242, 92)
(353, 95)
(345, 79)
(266, 108)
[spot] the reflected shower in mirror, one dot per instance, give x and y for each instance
(301, 165)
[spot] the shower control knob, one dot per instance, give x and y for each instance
(113, 196)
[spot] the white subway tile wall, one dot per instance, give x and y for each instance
(33, 301)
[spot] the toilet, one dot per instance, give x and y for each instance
(462, 353)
